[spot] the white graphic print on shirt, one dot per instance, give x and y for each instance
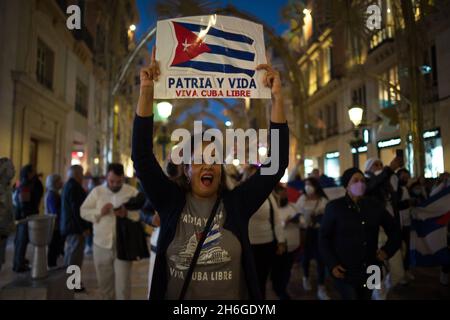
(211, 252)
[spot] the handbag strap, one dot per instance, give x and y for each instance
(272, 220)
(202, 239)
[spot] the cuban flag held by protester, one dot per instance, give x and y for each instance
(429, 245)
(210, 57)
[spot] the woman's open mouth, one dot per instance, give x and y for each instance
(207, 179)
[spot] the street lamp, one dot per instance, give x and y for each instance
(355, 113)
(164, 109)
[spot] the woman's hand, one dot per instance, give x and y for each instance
(272, 80)
(338, 272)
(381, 255)
(148, 76)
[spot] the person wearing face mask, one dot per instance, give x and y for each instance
(348, 236)
(7, 173)
(223, 267)
(311, 206)
(382, 184)
(102, 207)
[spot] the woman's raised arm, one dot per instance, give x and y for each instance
(161, 191)
(148, 76)
(259, 186)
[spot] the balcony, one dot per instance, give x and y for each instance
(384, 35)
(84, 35)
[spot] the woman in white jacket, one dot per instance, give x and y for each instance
(311, 206)
(266, 236)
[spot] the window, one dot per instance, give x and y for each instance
(389, 88)
(359, 98)
(387, 25)
(81, 99)
(326, 77)
(100, 45)
(44, 64)
(430, 75)
(312, 77)
(332, 165)
(331, 120)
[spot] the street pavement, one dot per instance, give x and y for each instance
(425, 286)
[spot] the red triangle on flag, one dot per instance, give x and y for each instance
(189, 45)
(444, 219)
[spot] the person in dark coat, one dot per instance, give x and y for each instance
(7, 173)
(53, 206)
(72, 226)
(225, 268)
(348, 237)
(27, 199)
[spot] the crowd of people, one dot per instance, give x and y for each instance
(282, 231)
(220, 233)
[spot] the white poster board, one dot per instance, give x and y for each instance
(210, 57)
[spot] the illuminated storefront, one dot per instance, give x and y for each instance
(434, 153)
(332, 165)
(386, 149)
(362, 155)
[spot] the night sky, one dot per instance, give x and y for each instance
(268, 11)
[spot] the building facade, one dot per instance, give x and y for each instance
(375, 78)
(55, 83)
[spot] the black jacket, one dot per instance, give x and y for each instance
(349, 236)
(380, 188)
(72, 198)
(169, 200)
(27, 197)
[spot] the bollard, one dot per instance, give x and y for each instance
(40, 230)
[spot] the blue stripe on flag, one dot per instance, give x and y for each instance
(217, 33)
(435, 197)
(215, 67)
(425, 227)
(232, 53)
(439, 258)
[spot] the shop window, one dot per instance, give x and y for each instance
(332, 165)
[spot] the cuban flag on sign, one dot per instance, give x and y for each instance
(210, 57)
(206, 48)
(428, 244)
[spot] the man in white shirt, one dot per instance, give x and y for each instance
(101, 207)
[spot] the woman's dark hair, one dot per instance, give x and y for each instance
(402, 170)
(315, 183)
(116, 168)
(172, 170)
(25, 172)
(183, 181)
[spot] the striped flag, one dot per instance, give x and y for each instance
(210, 57)
(428, 246)
(219, 51)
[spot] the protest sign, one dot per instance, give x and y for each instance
(210, 57)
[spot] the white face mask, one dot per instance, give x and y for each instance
(310, 190)
(378, 172)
